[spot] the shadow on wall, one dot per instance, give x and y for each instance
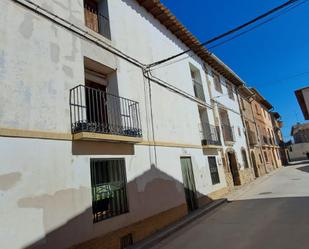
(151, 193)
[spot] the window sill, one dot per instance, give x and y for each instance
(98, 35)
(210, 146)
(89, 136)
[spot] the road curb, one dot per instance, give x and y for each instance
(165, 232)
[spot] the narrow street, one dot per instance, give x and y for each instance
(271, 213)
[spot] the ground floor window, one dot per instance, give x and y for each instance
(265, 155)
(244, 158)
(109, 195)
(213, 170)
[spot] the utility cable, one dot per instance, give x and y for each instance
(234, 37)
(268, 13)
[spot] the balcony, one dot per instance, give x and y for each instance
(97, 115)
(211, 135)
(252, 138)
(228, 133)
(198, 90)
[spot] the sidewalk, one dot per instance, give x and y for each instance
(162, 234)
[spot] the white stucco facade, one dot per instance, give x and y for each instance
(45, 184)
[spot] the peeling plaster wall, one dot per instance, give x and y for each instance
(44, 184)
(49, 190)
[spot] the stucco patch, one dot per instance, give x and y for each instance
(68, 71)
(8, 181)
(26, 27)
(2, 64)
(73, 51)
(54, 52)
(63, 212)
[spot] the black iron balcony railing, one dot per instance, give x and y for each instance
(198, 90)
(96, 111)
(211, 134)
(228, 133)
(252, 137)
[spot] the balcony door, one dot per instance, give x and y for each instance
(96, 101)
(225, 124)
(224, 117)
(205, 123)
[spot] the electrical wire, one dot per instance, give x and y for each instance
(234, 30)
(236, 36)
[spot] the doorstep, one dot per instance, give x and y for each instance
(165, 232)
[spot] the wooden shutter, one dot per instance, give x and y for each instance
(91, 15)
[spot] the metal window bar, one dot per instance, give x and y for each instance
(94, 110)
(109, 195)
(213, 170)
(228, 133)
(211, 134)
(96, 20)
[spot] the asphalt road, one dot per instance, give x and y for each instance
(272, 213)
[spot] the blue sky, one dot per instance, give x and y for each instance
(273, 58)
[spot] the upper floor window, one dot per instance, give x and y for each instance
(257, 109)
(230, 91)
(242, 104)
(96, 16)
(217, 82)
(239, 131)
(197, 83)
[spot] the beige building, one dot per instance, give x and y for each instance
(255, 149)
(270, 149)
(302, 96)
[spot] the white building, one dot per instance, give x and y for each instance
(94, 149)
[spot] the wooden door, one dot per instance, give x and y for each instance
(189, 183)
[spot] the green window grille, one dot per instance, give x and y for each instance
(109, 194)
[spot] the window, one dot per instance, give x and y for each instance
(108, 183)
(96, 16)
(265, 155)
(244, 158)
(239, 131)
(213, 170)
(126, 241)
(243, 104)
(217, 82)
(230, 91)
(257, 109)
(278, 154)
(197, 83)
